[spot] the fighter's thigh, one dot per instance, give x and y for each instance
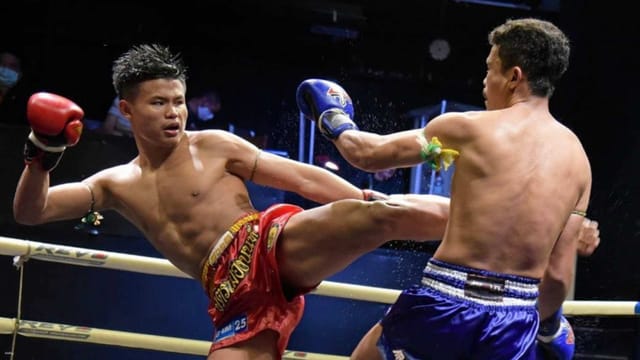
(349, 226)
(367, 347)
(320, 242)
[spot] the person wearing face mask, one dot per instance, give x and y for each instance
(10, 73)
(203, 110)
(115, 123)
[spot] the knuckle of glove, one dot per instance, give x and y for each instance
(305, 99)
(55, 120)
(315, 96)
(561, 346)
(72, 132)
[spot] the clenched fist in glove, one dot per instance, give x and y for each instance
(327, 103)
(555, 339)
(56, 122)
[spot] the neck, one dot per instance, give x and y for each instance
(535, 101)
(155, 156)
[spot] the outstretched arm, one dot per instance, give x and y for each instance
(261, 167)
(330, 106)
(372, 152)
(309, 181)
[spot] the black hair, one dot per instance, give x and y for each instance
(537, 46)
(146, 62)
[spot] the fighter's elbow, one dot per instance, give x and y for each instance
(25, 220)
(25, 217)
(559, 280)
(365, 160)
(364, 165)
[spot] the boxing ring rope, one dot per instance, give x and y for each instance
(39, 329)
(22, 249)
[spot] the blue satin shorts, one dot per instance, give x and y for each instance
(462, 313)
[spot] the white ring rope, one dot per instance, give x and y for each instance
(157, 266)
(88, 257)
(39, 329)
(25, 249)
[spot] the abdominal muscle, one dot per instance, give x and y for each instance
(185, 229)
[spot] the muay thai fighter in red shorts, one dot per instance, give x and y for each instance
(185, 190)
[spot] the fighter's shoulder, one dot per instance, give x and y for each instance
(461, 118)
(116, 174)
(457, 124)
(572, 146)
(213, 138)
(206, 135)
(570, 137)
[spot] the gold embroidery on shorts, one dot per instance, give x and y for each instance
(274, 231)
(238, 270)
(224, 242)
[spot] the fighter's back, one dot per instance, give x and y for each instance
(519, 176)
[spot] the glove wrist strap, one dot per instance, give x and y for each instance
(55, 149)
(46, 159)
(548, 338)
(333, 122)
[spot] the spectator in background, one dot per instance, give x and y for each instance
(10, 73)
(203, 108)
(115, 123)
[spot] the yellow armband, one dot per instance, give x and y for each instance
(434, 154)
(579, 212)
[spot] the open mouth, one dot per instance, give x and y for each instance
(172, 129)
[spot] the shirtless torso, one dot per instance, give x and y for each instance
(185, 189)
(513, 188)
(183, 205)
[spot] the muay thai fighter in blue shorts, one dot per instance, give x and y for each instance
(518, 198)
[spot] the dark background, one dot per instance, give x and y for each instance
(255, 53)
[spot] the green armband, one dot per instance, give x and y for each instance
(434, 154)
(92, 219)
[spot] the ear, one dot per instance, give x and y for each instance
(125, 108)
(517, 77)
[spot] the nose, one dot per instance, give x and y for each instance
(173, 111)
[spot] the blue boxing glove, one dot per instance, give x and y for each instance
(327, 103)
(555, 340)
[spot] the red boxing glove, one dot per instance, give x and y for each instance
(56, 122)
